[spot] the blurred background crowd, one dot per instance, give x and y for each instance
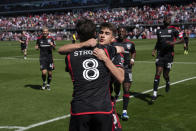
(142, 21)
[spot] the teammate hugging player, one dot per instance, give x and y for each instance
(46, 44)
(90, 67)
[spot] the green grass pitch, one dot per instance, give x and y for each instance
(24, 107)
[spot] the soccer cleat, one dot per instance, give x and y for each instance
(44, 86)
(124, 117)
(167, 87)
(154, 98)
(48, 87)
(186, 52)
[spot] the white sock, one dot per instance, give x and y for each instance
(124, 111)
(155, 93)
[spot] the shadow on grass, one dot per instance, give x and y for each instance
(36, 87)
(145, 97)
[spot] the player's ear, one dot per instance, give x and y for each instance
(113, 39)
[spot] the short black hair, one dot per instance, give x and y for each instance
(167, 20)
(85, 29)
(109, 26)
(121, 27)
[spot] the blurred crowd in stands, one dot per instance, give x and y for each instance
(141, 17)
(18, 5)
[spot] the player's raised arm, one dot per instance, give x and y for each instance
(117, 72)
(71, 47)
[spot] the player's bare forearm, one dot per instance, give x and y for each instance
(176, 42)
(153, 52)
(117, 72)
(133, 55)
(71, 47)
(21, 41)
(132, 60)
(53, 45)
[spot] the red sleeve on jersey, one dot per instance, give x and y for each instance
(106, 51)
(50, 37)
(173, 27)
(127, 40)
(69, 67)
(39, 37)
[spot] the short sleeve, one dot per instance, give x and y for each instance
(66, 64)
(118, 60)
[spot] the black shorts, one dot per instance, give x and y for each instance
(165, 62)
(73, 41)
(128, 75)
(23, 46)
(49, 65)
(92, 122)
(186, 40)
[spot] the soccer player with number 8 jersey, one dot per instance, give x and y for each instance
(90, 67)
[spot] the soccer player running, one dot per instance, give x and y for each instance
(186, 40)
(24, 43)
(129, 56)
(90, 67)
(166, 39)
(46, 44)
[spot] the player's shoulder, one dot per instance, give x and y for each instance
(159, 31)
(50, 37)
(173, 28)
(115, 43)
(127, 41)
(39, 37)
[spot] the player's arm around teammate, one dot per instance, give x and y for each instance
(67, 48)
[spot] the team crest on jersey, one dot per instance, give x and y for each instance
(49, 40)
(41, 42)
(169, 31)
(128, 46)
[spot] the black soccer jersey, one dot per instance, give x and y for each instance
(91, 79)
(163, 35)
(129, 48)
(185, 36)
(24, 39)
(45, 47)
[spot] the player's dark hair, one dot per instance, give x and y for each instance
(109, 26)
(86, 29)
(167, 21)
(121, 27)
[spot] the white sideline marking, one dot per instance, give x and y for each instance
(11, 127)
(66, 116)
(173, 62)
(164, 86)
(44, 122)
(28, 58)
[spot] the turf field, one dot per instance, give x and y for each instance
(23, 106)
